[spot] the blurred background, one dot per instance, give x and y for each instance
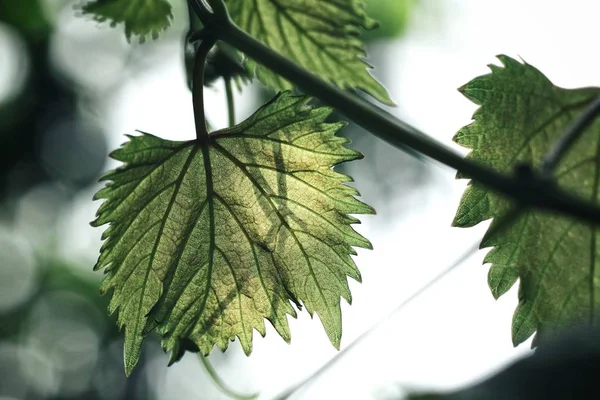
(70, 88)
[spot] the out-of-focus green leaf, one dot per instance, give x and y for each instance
(208, 238)
(26, 16)
(522, 115)
(392, 15)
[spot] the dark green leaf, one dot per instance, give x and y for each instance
(522, 115)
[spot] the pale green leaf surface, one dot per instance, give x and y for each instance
(141, 18)
(207, 240)
(319, 35)
(522, 114)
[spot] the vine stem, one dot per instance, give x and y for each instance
(198, 85)
(192, 17)
(221, 385)
(230, 101)
(562, 146)
(200, 10)
(219, 7)
(528, 190)
(531, 192)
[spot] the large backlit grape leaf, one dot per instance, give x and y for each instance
(209, 238)
(557, 259)
(319, 35)
(141, 18)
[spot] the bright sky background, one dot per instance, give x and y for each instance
(456, 332)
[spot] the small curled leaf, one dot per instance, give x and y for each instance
(141, 18)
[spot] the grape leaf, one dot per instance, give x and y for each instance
(521, 116)
(141, 18)
(319, 35)
(209, 238)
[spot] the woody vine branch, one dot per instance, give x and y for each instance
(528, 190)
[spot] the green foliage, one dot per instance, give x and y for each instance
(319, 35)
(142, 18)
(27, 16)
(393, 15)
(207, 238)
(522, 114)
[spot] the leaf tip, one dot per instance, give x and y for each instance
(246, 345)
(130, 363)
(337, 342)
(383, 96)
(455, 222)
(178, 349)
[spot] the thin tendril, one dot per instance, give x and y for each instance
(221, 385)
(503, 223)
(230, 101)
